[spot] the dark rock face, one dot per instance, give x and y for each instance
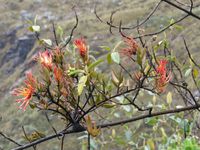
(23, 47)
(20, 47)
(20, 50)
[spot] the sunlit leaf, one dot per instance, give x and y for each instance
(34, 28)
(114, 78)
(115, 57)
(195, 73)
(163, 132)
(151, 144)
(172, 21)
(81, 84)
(169, 98)
(47, 41)
(109, 105)
(113, 133)
(187, 72)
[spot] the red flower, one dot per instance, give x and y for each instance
(26, 91)
(163, 77)
(45, 58)
(131, 48)
(81, 45)
(57, 74)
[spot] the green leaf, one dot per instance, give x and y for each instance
(115, 57)
(47, 41)
(105, 47)
(114, 78)
(187, 72)
(151, 121)
(169, 98)
(151, 144)
(59, 31)
(139, 58)
(109, 105)
(91, 66)
(172, 21)
(75, 72)
(81, 84)
(109, 59)
(195, 73)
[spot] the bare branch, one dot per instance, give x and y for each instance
(162, 30)
(72, 31)
(121, 122)
(54, 33)
(189, 54)
(135, 26)
(11, 140)
(182, 9)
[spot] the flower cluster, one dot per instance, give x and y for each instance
(45, 58)
(81, 45)
(57, 74)
(131, 48)
(162, 76)
(26, 91)
(52, 65)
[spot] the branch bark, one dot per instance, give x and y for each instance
(77, 130)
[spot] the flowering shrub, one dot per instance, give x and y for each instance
(72, 86)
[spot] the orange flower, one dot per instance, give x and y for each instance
(163, 77)
(57, 74)
(81, 45)
(26, 91)
(131, 48)
(45, 59)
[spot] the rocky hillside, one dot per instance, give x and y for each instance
(17, 44)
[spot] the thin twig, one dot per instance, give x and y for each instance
(88, 141)
(121, 122)
(54, 33)
(189, 54)
(72, 31)
(8, 138)
(182, 9)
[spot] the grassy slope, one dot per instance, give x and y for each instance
(89, 26)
